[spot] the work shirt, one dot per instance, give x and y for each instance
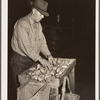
(28, 39)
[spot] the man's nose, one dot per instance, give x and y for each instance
(42, 16)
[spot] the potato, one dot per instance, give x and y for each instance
(47, 75)
(71, 61)
(38, 66)
(48, 72)
(32, 68)
(34, 77)
(42, 70)
(57, 75)
(30, 73)
(41, 75)
(63, 62)
(64, 66)
(40, 78)
(52, 72)
(59, 61)
(67, 61)
(58, 69)
(48, 79)
(54, 67)
(58, 65)
(56, 59)
(33, 73)
(37, 72)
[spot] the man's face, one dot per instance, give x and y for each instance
(38, 16)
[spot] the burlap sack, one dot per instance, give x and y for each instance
(42, 94)
(26, 91)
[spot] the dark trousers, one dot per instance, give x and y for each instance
(19, 64)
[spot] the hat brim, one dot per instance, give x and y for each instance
(42, 11)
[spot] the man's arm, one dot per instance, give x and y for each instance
(22, 31)
(25, 46)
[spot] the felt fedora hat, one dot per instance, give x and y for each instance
(41, 6)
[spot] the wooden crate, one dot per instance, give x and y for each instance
(55, 83)
(24, 77)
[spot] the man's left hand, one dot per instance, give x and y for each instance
(51, 60)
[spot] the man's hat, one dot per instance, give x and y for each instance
(41, 6)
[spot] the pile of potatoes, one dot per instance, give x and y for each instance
(41, 74)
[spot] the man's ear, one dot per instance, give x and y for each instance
(33, 10)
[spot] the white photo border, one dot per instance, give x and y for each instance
(4, 49)
(97, 51)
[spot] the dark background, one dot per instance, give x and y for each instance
(72, 37)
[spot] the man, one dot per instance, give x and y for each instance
(28, 41)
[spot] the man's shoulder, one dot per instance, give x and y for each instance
(23, 21)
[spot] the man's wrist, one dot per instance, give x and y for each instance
(40, 59)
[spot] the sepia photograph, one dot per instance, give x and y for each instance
(51, 50)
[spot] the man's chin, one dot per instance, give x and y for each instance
(38, 20)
